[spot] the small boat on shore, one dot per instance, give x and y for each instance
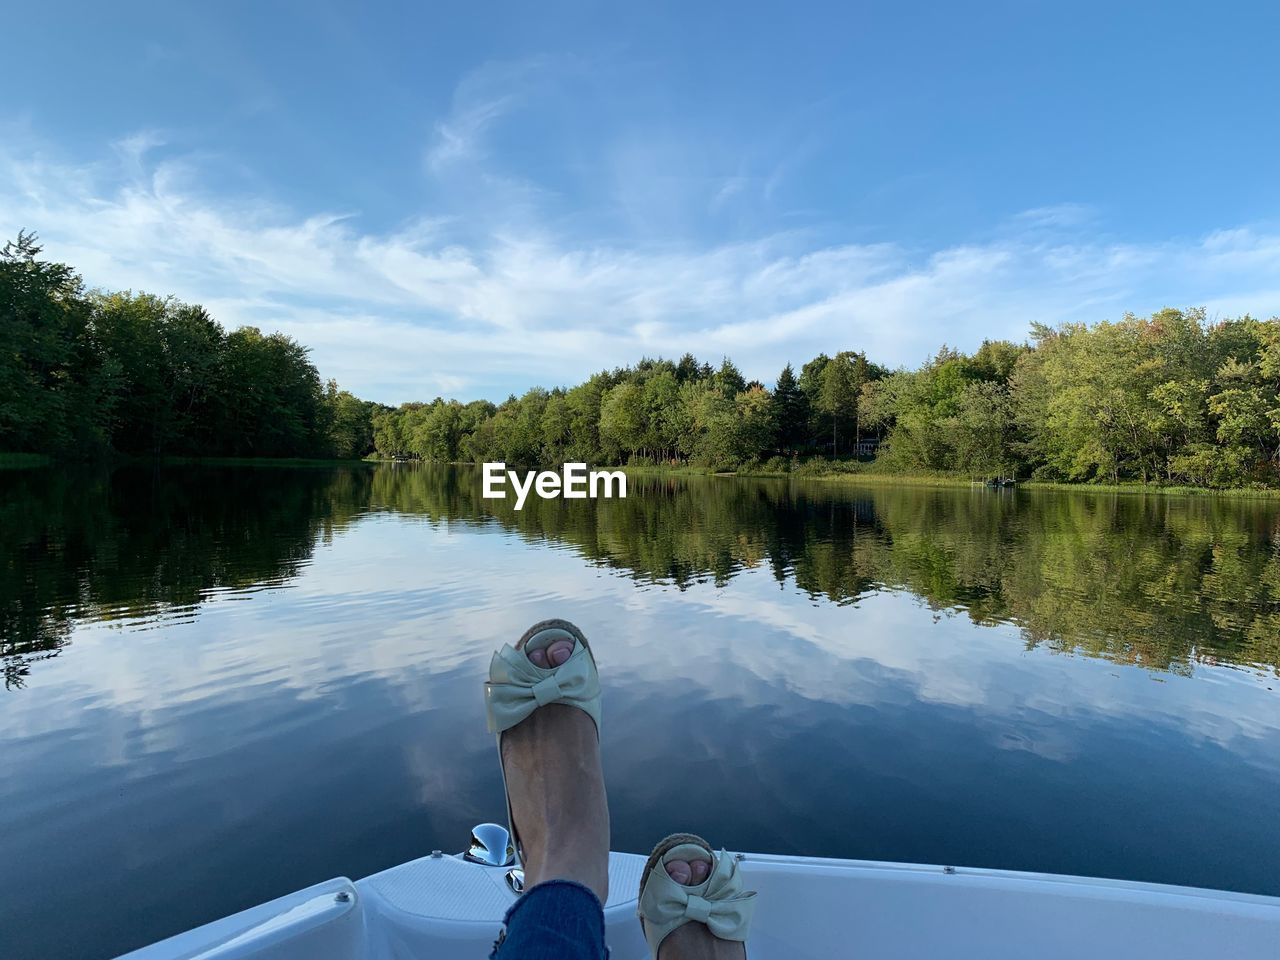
(448, 907)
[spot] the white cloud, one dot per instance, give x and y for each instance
(135, 147)
(458, 138)
(1058, 215)
(417, 311)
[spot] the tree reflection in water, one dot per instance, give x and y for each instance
(1160, 582)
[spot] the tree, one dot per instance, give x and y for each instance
(556, 428)
(810, 383)
(756, 426)
(583, 406)
(728, 379)
(981, 434)
(272, 397)
(687, 369)
(350, 423)
(622, 419)
(165, 358)
(54, 386)
(660, 402)
(790, 413)
(839, 385)
(996, 360)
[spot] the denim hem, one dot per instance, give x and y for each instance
(555, 920)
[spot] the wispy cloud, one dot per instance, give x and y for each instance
(480, 99)
(133, 148)
(458, 138)
(1058, 215)
(416, 311)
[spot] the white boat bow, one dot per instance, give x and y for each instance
(446, 908)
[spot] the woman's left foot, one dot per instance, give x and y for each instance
(692, 905)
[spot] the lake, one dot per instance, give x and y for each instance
(226, 683)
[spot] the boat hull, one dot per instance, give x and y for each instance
(444, 908)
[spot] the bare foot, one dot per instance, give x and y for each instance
(556, 788)
(693, 941)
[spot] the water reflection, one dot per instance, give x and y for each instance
(267, 677)
(1155, 581)
(139, 544)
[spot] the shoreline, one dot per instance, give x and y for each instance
(882, 478)
(22, 461)
(866, 477)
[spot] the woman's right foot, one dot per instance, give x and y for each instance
(694, 941)
(696, 880)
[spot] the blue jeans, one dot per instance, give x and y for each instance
(556, 920)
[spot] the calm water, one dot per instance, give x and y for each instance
(225, 684)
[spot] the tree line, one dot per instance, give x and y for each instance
(87, 372)
(656, 412)
(1170, 398)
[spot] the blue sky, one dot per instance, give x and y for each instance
(475, 198)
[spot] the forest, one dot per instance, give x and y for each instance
(88, 373)
(1174, 398)
(1169, 399)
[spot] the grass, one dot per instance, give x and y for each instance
(1241, 493)
(681, 471)
(871, 474)
(21, 461)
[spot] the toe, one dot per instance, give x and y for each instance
(539, 657)
(700, 870)
(559, 652)
(679, 871)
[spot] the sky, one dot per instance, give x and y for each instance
(471, 199)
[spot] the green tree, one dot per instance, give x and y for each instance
(661, 401)
(350, 423)
(982, 431)
(622, 420)
(54, 384)
(790, 413)
(271, 395)
(167, 385)
(728, 379)
(756, 426)
(839, 385)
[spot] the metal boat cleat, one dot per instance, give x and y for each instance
(515, 880)
(491, 846)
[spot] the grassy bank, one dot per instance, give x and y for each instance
(1244, 493)
(19, 461)
(870, 475)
